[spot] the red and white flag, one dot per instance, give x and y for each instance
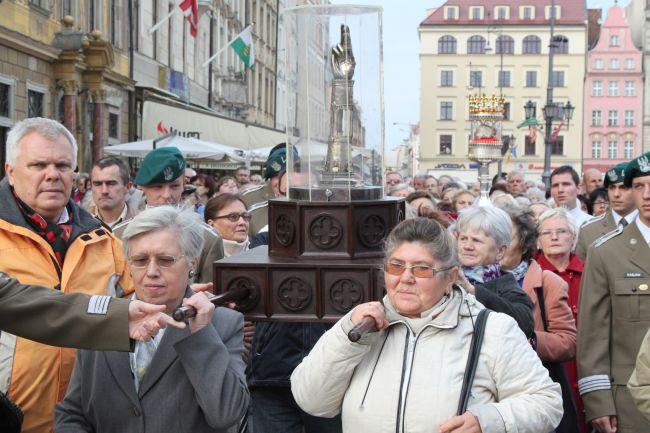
(191, 11)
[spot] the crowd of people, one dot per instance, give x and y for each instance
(545, 291)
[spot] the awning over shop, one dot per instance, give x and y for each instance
(160, 117)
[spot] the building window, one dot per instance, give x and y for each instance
(502, 13)
(629, 118)
(446, 110)
(560, 44)
(595, 149)
(529, 146)
(557, 79)
(613, 88)
(476, 12)
(531, 45)
(597, 88)
(506, 111)
(553, 12)
(596, 118)
(528, 13)
(476, 45)
(629, 63)
(446, 78)
(447, 45)
(43, 4)
(598, 64)
(113, 21)
(451, 13)
(628, 149)
(113, 126)
(504, 79)
(613, 40)
(35, 103)
(445, 144)
(557, 147)
(612, 118)
(613, 64)
(5, 100)
(629, 88)
(475, 78)
(505, 45)
(66, 7)
(612, 149)
(531, 78)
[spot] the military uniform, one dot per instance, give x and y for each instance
(593, 230)
(614, 312)
(72, 320)
(257, 201)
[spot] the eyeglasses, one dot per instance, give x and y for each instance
(558, 233)
(601, 202)
(234, 217)
(419, 271)
(162, 261)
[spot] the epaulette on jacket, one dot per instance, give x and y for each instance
(258, 206)
(253, 189)
(593, 220)
(607, 236)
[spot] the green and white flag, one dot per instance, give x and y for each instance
(243, 46)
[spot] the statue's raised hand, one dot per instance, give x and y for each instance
(342, 58)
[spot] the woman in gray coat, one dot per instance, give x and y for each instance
(186, 380)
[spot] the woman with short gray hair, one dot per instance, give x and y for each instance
(484, 233)
(198, 369)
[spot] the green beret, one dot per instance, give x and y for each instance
(277, 161)
(161, 165)
(638, 167)
(615, 174)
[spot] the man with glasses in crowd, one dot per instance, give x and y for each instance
(161, 178)
(621, 211)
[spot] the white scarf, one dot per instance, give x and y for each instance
(232, 248)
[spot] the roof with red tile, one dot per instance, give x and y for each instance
(571, 12)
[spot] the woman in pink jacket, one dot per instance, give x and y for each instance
(555, 328)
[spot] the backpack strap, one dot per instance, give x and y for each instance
(472, 360)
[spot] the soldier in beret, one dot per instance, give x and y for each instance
(161, 178)
(257, 198)
(621, 211)
(614, 311)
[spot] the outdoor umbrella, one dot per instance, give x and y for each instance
(191, 148)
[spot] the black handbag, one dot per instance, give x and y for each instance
(557, 372)
(11, 417)
(472, 360)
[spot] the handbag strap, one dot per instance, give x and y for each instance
(472, 360)
(542, 306)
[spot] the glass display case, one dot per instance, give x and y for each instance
(330, 100)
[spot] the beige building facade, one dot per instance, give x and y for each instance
(498, 47)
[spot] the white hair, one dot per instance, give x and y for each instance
(184, 222)
(559, 212)
(490, 220)
(46, 128)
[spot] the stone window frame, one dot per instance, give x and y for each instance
(11, 82)
(596, 148)
(40, 88)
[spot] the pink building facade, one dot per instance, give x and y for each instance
(613, 119)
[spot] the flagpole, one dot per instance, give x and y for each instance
(222, 49)
(174, 11)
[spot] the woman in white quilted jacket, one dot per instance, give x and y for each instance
(407, 377)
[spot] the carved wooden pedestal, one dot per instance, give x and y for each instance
(323, 259)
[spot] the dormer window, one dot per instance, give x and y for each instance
(527, 13)
(613, 40)
(555, 12)
(451, 12)
(476, 12)
(501, 13)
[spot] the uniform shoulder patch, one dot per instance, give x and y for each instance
(593, 220)
(607, 236)
(253, 189)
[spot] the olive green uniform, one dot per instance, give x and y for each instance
(614, 316)
(71, 320)
(593, 230)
